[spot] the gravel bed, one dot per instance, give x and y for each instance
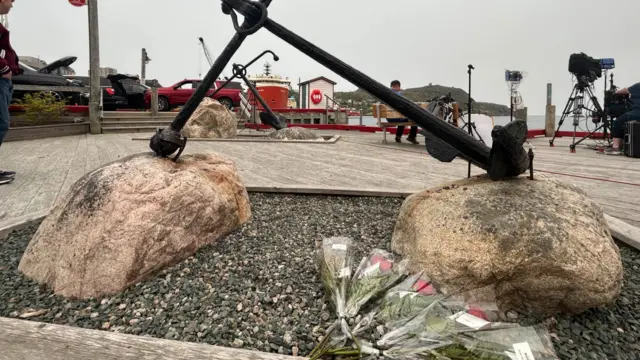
(259, 288)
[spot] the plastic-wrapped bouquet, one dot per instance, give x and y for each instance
(348, 294)
(336, 260)
(419, 321)
(375, 274)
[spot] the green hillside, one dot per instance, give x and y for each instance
(363, 101)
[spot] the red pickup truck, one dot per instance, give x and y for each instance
(179, 93)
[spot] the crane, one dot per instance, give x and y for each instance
(207, 54)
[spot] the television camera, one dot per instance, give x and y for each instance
(616, 104)
(587, 70)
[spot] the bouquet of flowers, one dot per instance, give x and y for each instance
(375, 274)
(450, 327)
(420, 321)
(348, 294)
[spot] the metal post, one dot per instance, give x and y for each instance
(550, 114)
(549, 94)
(154, 102)
(94, 69)
(470, 67)
(511, 101)
(143, 66)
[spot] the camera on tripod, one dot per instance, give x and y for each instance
(585, 68)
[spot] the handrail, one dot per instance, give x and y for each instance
(334, 103)
(245, 107)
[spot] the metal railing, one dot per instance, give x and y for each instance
(245, 107)
(335, 108)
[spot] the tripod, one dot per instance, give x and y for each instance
(470, 67)
(470, 126)
(575, 105)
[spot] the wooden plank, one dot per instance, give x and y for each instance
(20, 222)
(52, 178)
(31, 340)
(396, 124)
(380, 110)
(51, 88)
(333, 191)
(257, 139)
(624, 232)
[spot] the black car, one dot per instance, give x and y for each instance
(44, 77)
(128, 86)
(119, 91)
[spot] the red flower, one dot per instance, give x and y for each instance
(424, 287)
(384, 263)
(477, 312)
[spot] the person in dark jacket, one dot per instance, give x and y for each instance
(617, 128)
(8, 67)
(413, 131)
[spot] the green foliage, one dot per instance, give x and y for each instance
(363, 101)
(42, 107)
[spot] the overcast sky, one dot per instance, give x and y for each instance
(415, 41)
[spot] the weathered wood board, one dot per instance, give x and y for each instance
(31, 340)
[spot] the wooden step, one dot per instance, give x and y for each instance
(129, 129)
(134, 123)
(135, 115)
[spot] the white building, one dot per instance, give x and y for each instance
(65, 70)
(314, 92)
(105, 71)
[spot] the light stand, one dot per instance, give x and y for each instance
(513, 79)
(468, 124)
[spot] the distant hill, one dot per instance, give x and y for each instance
(361, 99)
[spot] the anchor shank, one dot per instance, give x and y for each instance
(470, 148)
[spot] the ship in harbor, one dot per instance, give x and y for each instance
(272, 88)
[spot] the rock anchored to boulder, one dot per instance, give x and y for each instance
(295, 133)
(211, 120)
(542, 245)
(131, 218)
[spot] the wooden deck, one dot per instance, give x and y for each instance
(47, 167)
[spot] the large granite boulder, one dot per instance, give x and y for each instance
(542, 244)
(129, 219)
(295, 133)
(211, 120)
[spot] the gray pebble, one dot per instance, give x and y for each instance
(268, 268)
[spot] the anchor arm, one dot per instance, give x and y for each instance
(166, 141)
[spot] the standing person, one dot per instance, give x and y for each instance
(617, 128)
(8, 67)
(413, 131)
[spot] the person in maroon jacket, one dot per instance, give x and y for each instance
(8, 67)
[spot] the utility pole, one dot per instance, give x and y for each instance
(94, 69)
(143, 66)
